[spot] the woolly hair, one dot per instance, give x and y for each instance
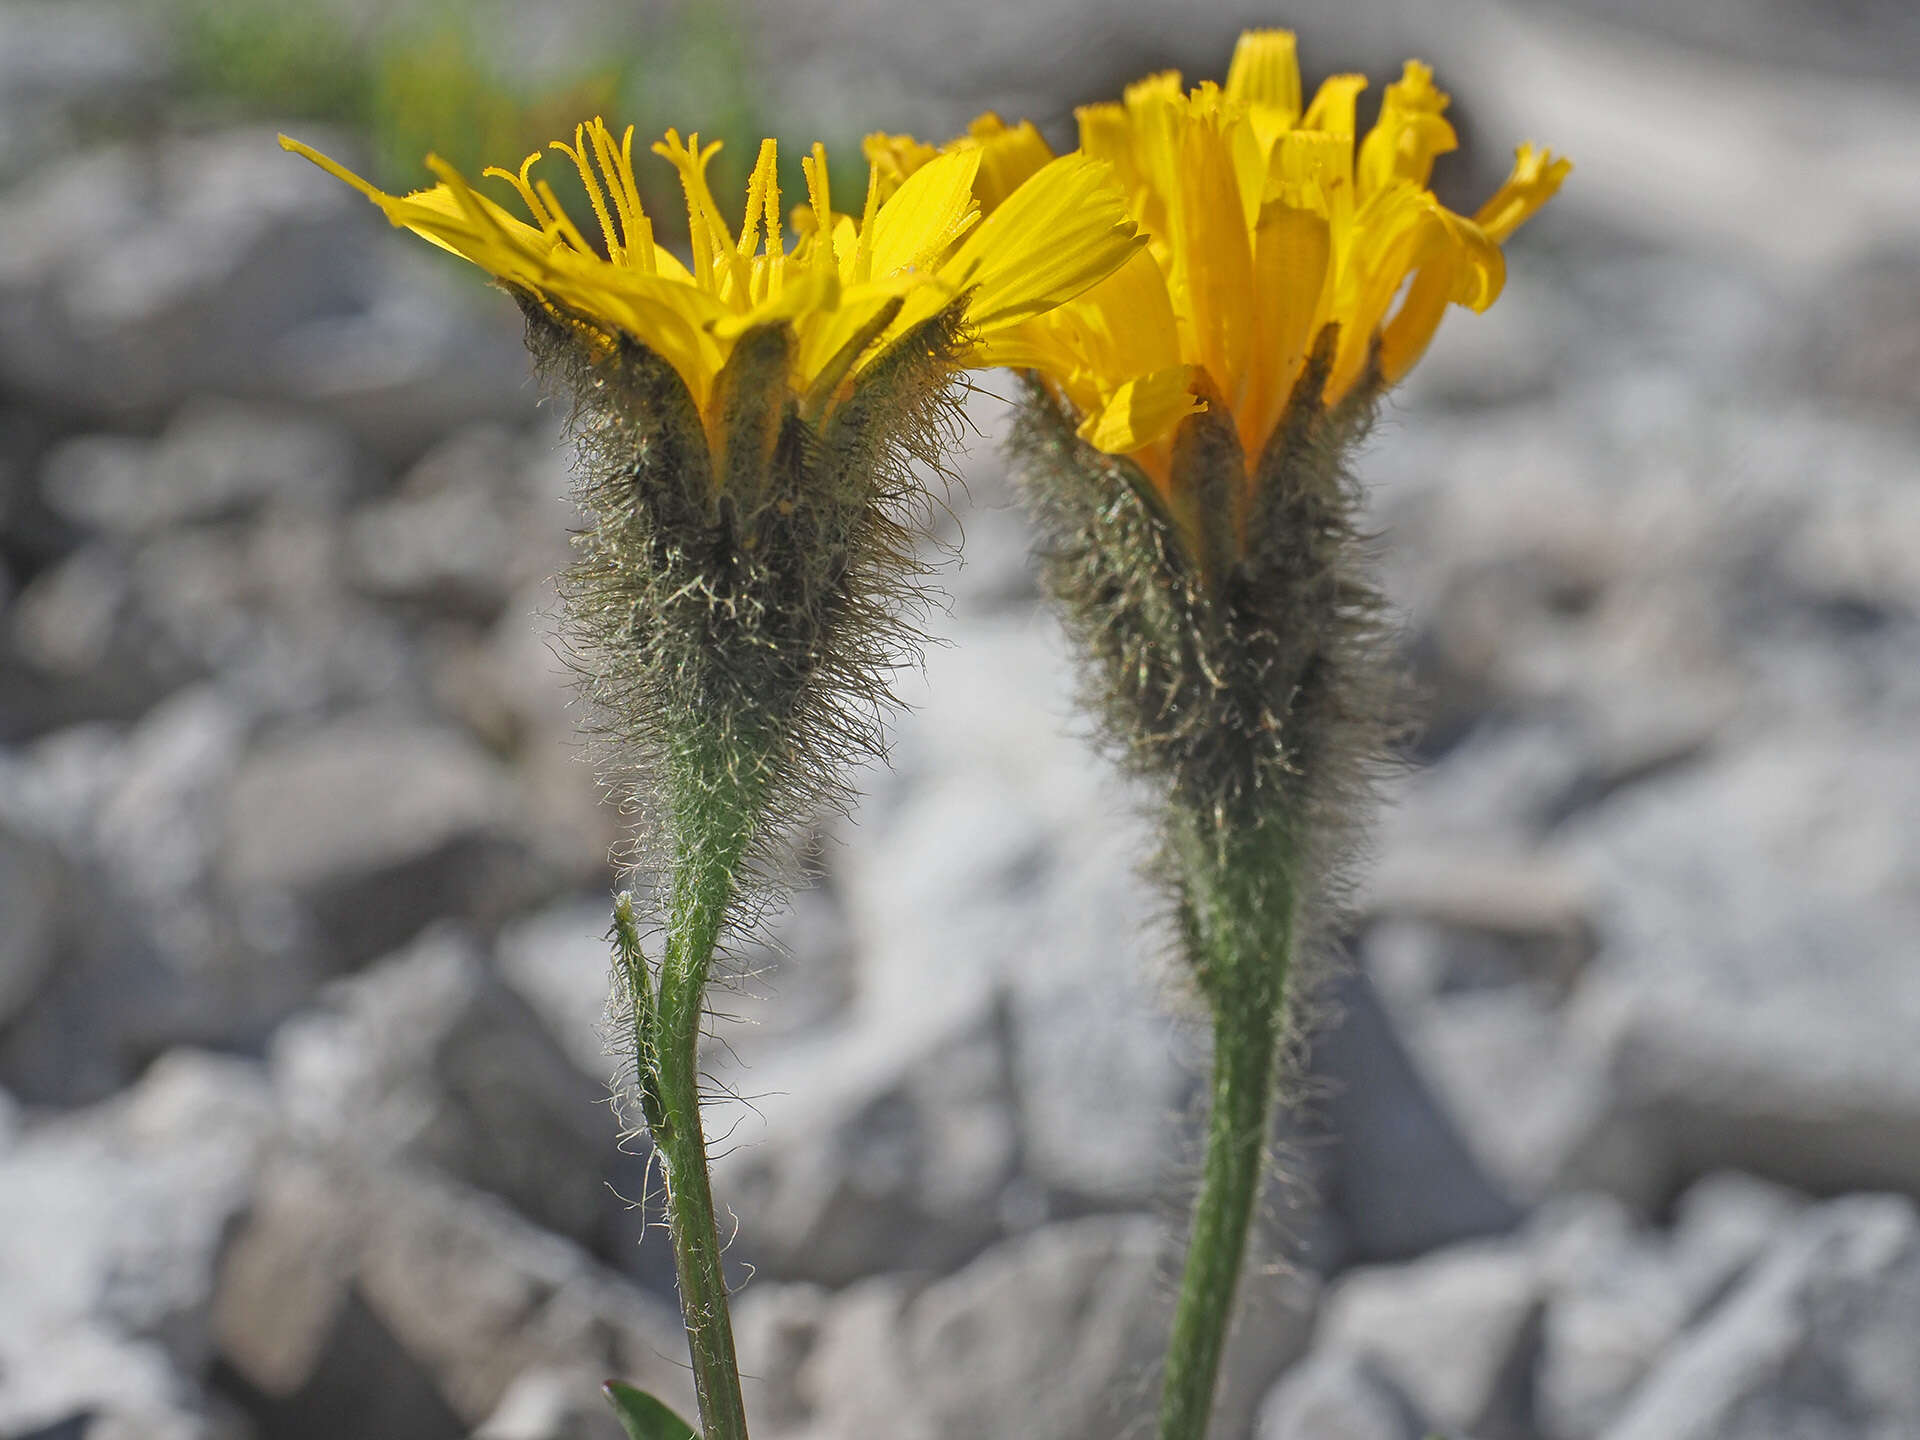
(745, 588)
(1236, 669)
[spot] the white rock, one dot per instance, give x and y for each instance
(1001, 855)
(372, 825)
(1056, 1333)
(1455, 1331)
(342, 1270)
(429, 1059)
(1758, 1002)
(31, 897)
(113, 1223)
(1336, 1395)
(553, 1403)
(1819, 1340)
(872, 1148)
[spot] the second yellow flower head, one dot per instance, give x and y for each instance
(1268, 220)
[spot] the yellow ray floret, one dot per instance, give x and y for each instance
(1268, 219)
(845, 287)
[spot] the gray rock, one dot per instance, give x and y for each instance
(341, 1272)
(1055, 1334)
(560, 962)
(882, 1149)
(1722, 1225)
(513, 689)
(1474, 958)
(1617, 1304)
(409, 352)
(216, 460)
(96, 482)
(369, 827)
(794, 975)
(1272, 1326)
(32, 884)
(148, 957)
(63, 64)
(553, 1403)
(113, 1222)
(1457, 1332)
(82, 1382)
(1526, 1092)
(460, 537)
(1337, 1395)
(59, 53)
(1622, 1298)
(157, 824)
(77, 645)
(429, 1059)
(1759, 1001)
(1875, 41)
(1399, 1176)
(1864, 344)
(135, 275)
(1502, 920)
(1511, 354)
(64, 621)
(261, 603)
(999, 855)
(1817, 1342)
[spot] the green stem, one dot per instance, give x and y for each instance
(1241, 931)
(716, 821)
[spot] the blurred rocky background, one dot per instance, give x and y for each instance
(1612, 1128)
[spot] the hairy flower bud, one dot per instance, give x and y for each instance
(747, 427)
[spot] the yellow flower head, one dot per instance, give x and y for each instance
(844, 287)
(1267, 224)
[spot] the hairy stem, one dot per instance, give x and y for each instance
(1240, 927)
(715, 817)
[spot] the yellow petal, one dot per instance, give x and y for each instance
(926, 215)
(1535, 180)
(1265, 77)
(817, 290)
(1143, 411)
(824, 332)
(895, 157)
(1266, 70)
(1058, 234)
(1402, 232)
(1009, 157)
(1292, 250)
(1213, 271)
(1334, 104)
(1106, 133)
(1405, 337)
(1410, 132)
(1125, 325)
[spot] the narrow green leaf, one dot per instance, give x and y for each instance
(643, 1417)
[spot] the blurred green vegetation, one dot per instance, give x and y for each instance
(424, 80)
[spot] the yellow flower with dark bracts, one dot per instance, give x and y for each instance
(845, 287)
(1268, 221)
